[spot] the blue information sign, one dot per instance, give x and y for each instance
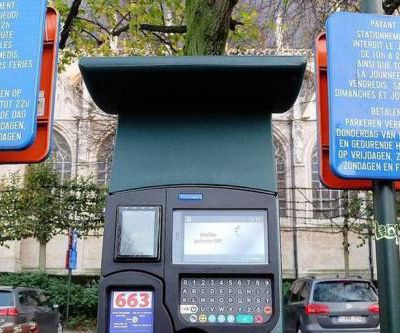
(131, 312)
(21, 47)
(364, 95)
(73, 259)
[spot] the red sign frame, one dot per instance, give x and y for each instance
(328, 178)
(40, 149)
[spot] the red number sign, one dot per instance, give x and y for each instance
(136, 300)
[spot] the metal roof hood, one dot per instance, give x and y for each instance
(225, 84)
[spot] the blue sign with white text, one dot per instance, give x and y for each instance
(22, 25)
(73, 259)
(364, 95)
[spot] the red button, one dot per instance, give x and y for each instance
(268, 310)
(259, 319)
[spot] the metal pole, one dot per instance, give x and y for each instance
(293, 204)
(372, 6)
(387, 250)
(387, 257)
(69, 294)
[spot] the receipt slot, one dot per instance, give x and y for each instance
(191, 242)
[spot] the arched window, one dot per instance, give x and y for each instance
(104, 161)
(61, 156)
(326, 203)
(280, 165)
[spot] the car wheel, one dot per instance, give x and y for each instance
(60, 328)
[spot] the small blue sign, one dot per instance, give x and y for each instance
(190, 196)
(73, 259)
(131, 312)
(364, 95)
(22, 24)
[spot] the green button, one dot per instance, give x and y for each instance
(244, 319)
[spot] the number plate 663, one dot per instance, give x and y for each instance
(132, 300)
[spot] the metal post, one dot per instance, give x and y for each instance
(387, 250)
(68, 295)
(387, 257)
(372, 6)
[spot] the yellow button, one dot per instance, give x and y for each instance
(202, 318)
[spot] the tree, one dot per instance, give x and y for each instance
(192, 27)
(45, 207)
(140, 27)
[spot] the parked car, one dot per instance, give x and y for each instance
(339, 305)
(26, 305)
(19, 328)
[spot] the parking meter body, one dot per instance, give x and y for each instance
(191, 241)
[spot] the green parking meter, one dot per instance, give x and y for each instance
(191, 242)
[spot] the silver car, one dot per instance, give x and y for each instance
(348, 305)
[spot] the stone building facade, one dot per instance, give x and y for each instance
(311, 222)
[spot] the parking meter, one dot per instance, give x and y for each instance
(191, 242)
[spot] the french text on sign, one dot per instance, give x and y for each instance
(21, 46)
(364, 92)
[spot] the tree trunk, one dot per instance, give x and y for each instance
(346, 248)
(208, 23)
(42, 257)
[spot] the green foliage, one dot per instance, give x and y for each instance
(114, 27)
(286, 285)
(42, 206)
(84, 293)
(10, 206)
(248, 34)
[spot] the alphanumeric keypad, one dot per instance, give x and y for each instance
(226, 300)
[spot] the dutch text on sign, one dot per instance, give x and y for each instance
(21, 46)
(364, 95)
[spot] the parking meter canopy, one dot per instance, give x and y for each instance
(205, 120)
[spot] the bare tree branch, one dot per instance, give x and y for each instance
(97, 24)
(73, 13)
(99, 41)
(167, 29)
(166, 42)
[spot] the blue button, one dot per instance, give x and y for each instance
(244, 319)
(221, 318)
(230, 319)
(212, 318)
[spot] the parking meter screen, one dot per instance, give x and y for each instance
(220, 237)
(138, 229)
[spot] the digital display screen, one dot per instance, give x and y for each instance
(220, 237)
(138, 232)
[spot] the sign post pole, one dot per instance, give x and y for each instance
(71, 263)
(387, 257)
(387, 250)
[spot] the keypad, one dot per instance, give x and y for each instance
(221, 301)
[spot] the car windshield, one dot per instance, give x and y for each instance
(5, 298)
(344, 291)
